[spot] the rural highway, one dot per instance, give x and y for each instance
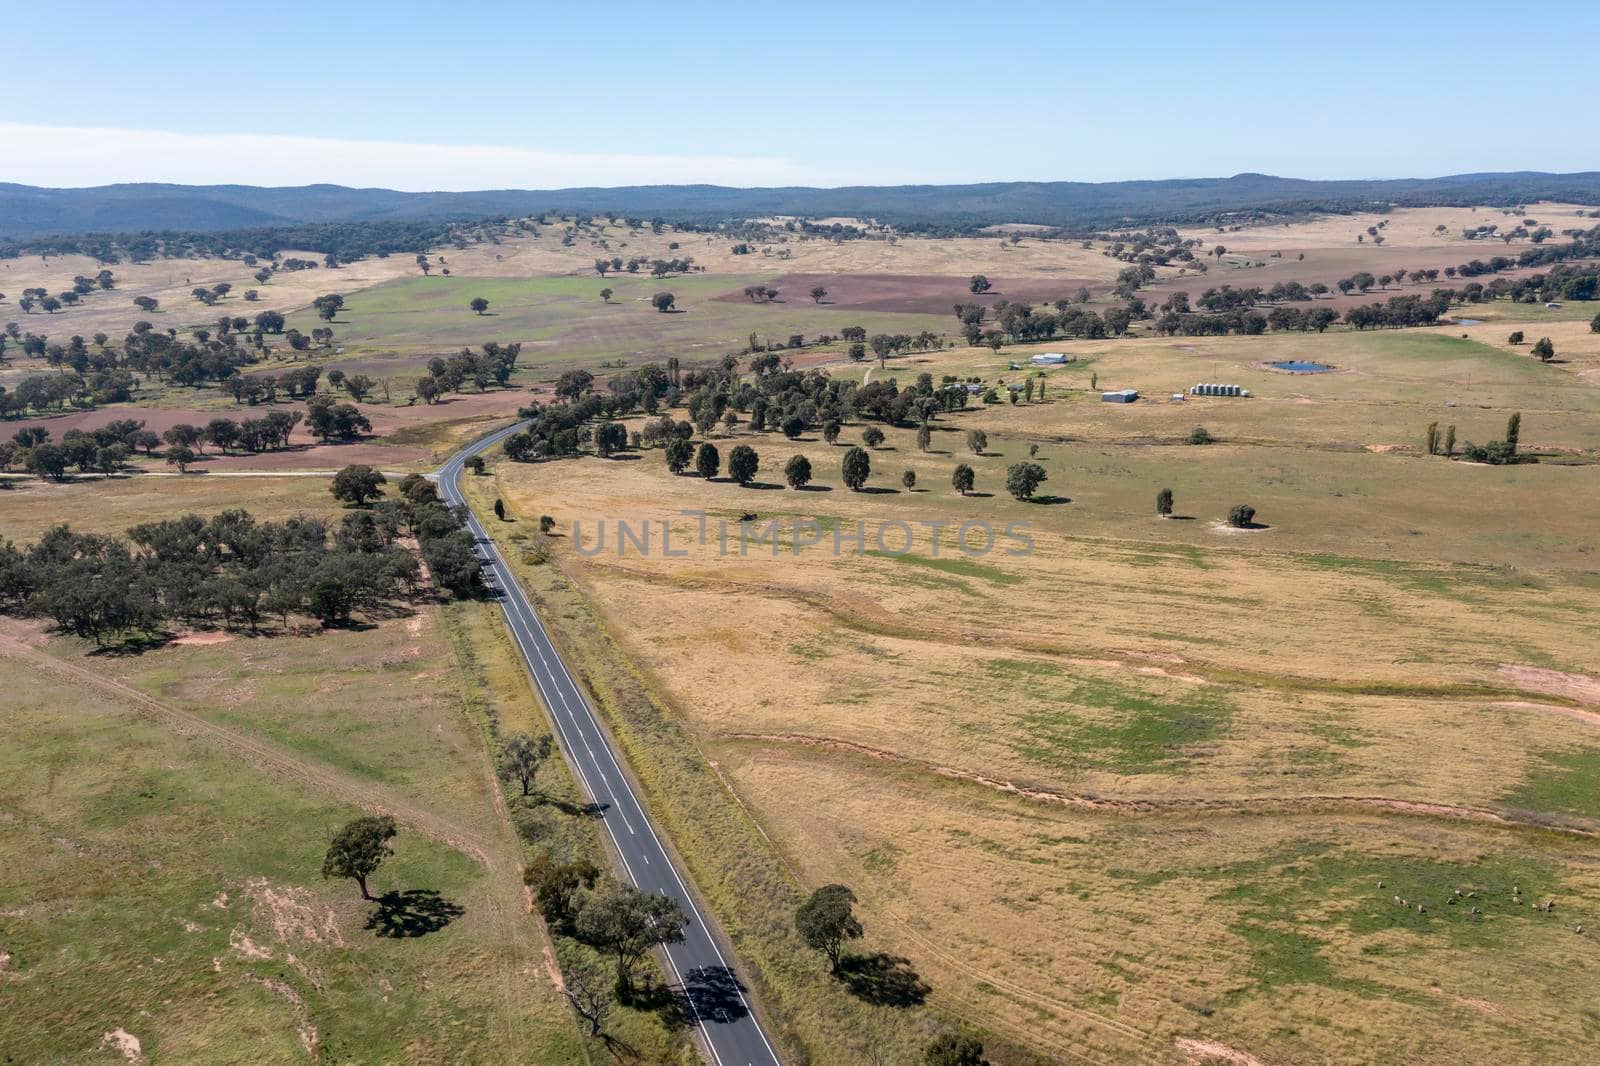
(731, 1033)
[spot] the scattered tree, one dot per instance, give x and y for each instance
(856, 468)
(743, 464)
(357, 484)
(627, 923)
(180, 457)
(872, 436)
(1241, 516)
(706, 461)
(479, 304)
(662, 301)
(909, 479)
(1022, 479)
(797, 472)
(963, 478)
(826, 920)
(679, 453)
(977, 441)
(1164, 502)
(1545, 350)
(523, 755)
(610, 438)
(358, 850)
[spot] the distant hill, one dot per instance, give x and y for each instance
(27, 211)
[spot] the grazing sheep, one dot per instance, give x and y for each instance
(1380, 884)
(1474, 910)
(1421, 909)
(1579, 929)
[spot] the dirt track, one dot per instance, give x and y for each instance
(263, 755)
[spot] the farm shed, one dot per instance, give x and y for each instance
(1120, 396)
(1050, 359)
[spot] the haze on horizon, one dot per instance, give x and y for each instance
(402, 97)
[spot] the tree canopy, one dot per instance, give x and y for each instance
(626, 923)
(358, 849)
(826, 920)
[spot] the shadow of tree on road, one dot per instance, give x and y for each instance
(713, 993)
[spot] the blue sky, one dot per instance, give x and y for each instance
(533, 95)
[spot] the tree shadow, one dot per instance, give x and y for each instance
(671, 1005)
(412, 913)
(883, 980)
(1048, 500)
(622, 457)
(1179, 517)
(877, 490)
(577, 810)
(713, 994)
(349, 625)
(980, 495)
(130, 644)
(762, 485)
(815, 488)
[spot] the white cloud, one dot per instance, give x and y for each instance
(70, 157)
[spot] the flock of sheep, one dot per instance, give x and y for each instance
(1457, 897)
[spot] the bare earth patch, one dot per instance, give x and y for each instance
(124, 1042)
(291, 915)
(202, 639)
(1580, 687)
(1197, 1052)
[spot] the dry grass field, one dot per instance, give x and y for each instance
(1162, 781)
(163, 816)
(1152, 791)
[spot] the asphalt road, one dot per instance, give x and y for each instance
(730, 1031)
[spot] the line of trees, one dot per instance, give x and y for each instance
(775, 399)
(237, 571)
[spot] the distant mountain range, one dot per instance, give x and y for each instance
(28, 211)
